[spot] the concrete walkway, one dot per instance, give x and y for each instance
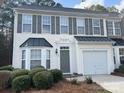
(111, 83)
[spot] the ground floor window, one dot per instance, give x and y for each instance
(35, 58)
(48, 59)
(121, 53)
(23, 59)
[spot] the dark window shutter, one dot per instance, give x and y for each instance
(74, 26)
(90, 27)
(39, 24)
(107, 27)
(34, 24)
(53, 24)
(86, 26)
(57, 25)
(102, 26)
(19, 24)
(70, 25)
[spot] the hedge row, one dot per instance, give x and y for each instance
(21, 79)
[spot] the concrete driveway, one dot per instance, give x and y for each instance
(111, 83)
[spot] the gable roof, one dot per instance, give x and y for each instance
(36, 42)
(93, 39)
(64, 9)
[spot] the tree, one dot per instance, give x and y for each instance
(103, 9)
(49, 3)
(4, 51)
(112, 9)
(97, 8)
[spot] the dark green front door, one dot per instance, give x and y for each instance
(65, 59)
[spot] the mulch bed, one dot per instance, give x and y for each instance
(67, 87)
(117, 74)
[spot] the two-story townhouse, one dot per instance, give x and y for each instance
(72, 40)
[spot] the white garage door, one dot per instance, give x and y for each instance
(95, 62)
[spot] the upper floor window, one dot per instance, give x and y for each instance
(113, 28)
(110, 28)
(46, 24)
(64, 25)
(117, 28)
(81, 26)
(27, 23)
(96, 26)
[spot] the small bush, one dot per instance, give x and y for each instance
(43, 80)
(36, 70)
(121, 69)
(9, 68)
(17, 73)
(75, 82)
(116, 70)
(21, 83)
(5, 79)
(57, 75)
(88, 80)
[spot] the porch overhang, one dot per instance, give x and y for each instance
(36, 42)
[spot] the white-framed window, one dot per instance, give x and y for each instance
(64, 25)
(117, 28)
(35, 58)
(96, 26)
(46, 24)
(23, 59)
(48, 59)
(81, 25)
(110, 28)
(114, 28)
(27, 23)
(121, 53)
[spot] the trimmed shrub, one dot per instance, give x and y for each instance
(17, 73)
(121, 69)
(88, 80)
(35, 70)
(43, 80)
(5, 79)
(116, 70)
(21, 83)
(57, 75)
(9, 68)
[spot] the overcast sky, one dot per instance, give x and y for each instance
(78, 4)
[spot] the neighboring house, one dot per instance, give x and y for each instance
(72, 40)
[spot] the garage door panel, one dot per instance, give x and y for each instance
(95, 62)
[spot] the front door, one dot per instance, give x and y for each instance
(65, 59)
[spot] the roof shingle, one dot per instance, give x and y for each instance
(32, 42)
(93, 39)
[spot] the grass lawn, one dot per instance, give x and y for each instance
(67, 87)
